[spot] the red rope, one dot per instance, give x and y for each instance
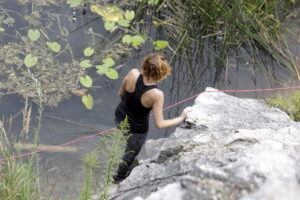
(57, 146)
(102, 132)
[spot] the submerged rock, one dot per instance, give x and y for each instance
(229, 148)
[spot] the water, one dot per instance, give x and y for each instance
(62, 170)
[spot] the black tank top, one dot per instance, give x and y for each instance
(131, 105)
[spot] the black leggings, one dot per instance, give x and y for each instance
(133, 147)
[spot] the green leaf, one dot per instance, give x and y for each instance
(86, 81)
(30, 60)
(74, 3)
(2, 29)
(85, 63)
(153, 2)
(129, 15)
(34, 34)
(124, 22)
(160, 44)
(108, 62)
(102, 69)
(109, 25)
(127, 39)
(88, 101)
(137, 40)
(112, 74)
(54, 46)
(88, 51)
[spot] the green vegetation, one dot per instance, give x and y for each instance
(113, 150)
(91, 164)
(111, 146)
(18, 178)
(219, 31)
(289, 103)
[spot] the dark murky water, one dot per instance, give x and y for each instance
(62, 170)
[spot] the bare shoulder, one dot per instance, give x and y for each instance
(134, 72)
(157, 93)
(132, 75)
(130, 79)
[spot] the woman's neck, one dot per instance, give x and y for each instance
(147, 82)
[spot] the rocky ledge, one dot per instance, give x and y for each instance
(229, 148)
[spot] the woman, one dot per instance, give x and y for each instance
(139, 96)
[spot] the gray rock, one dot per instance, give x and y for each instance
(231, 148)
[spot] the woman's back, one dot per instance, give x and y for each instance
(135, 103)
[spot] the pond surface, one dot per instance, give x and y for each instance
(62, 170)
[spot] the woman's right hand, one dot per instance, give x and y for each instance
(185, 112)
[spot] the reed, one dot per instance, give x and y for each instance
(221, 28)
(18, 178)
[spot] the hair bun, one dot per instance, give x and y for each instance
(155, 67)
(153, 61)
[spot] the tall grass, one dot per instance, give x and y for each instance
(222, 28)
(110, 148)
(18, 178)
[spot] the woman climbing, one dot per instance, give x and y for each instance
(139, 95)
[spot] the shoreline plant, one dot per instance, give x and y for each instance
(110, 148)
(288, 102)
(229, 32)
(18, 177)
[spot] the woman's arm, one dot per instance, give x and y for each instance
(121, 92)
(158, 113)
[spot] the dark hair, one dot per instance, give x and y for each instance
(155, 67)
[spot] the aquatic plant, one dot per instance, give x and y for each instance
(55, 78)
(224, 30)
(50, 56)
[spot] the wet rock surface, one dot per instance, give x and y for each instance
(229, 148)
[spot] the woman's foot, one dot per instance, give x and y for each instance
(118, 180)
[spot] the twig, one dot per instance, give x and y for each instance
(178, 46)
